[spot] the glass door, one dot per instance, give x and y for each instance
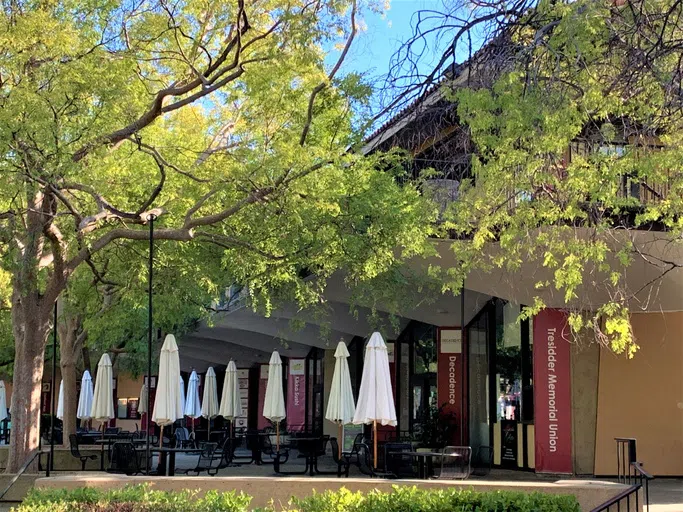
(478, 380)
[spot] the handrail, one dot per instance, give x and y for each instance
(21, 472)
(619, 498)
(640, 474)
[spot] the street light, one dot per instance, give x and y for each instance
(51, 463)
(150, 218)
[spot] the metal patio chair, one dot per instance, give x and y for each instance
(399, 465)
(483, 461)
(456, 463)
(124, 459)
(75, 452)
(209, 460)
(365, 463)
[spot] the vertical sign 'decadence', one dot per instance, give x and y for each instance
(450, 375)
(552, 392)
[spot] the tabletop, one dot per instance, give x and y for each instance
(112, 440)
(426, 454)
(168, 450)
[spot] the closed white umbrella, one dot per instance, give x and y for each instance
(167, 399)
(60, 401)
(274, 403)
(231, 403)
(144, 398)
(181, 386)
(85, 398)
(3, 401)
(103, 398)
(210, 399)
(341, 407)
(376, 398)
(193, 408)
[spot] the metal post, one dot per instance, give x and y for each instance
(149, 332)
(463, 358)
(50, 463)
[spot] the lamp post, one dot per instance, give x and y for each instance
(464, 370)
(150, 218)
(50, 463)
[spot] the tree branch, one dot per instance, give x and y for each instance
(330, 77)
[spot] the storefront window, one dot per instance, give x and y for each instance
(508, 362)
(423, 378)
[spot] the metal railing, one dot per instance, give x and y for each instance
(23, 469)
(622, 501)
(629, 472)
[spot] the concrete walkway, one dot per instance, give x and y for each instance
(666, 494)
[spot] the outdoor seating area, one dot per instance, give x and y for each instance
(225, 449)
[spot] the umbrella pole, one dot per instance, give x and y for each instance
(374, 441)
(341, 440)
(208, 435)
(277, 436)
(161, 436)
(102, 449)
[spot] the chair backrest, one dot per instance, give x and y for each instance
(112, 430)
(364, 462)
(207, 460)
(321, 445)
(124, 459)
(252, 440)
(266, 445)
(334, 445)
(483, 460)
(458, 464)
(400, 465)
(73, 445)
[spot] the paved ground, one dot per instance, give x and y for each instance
(666, 494)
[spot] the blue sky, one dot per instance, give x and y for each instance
(384, 35)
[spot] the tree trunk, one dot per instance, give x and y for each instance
(31, 329)
(70, 342)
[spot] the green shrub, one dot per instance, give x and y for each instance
(141, 498)
(135, 498)
(412, 499)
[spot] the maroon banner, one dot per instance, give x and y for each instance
(552, 392)
(296, 395)
(262, 383)
(450, 379)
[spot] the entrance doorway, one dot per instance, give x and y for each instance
(500, 385)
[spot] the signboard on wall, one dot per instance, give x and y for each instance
(552, 392)
(243, 384)
(450, 376)
(296, 395)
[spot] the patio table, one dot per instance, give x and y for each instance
(311, 457)
(164, 468)
(109, 440)
(424, 460)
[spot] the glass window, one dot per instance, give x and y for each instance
(508, 362)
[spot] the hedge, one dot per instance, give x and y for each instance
(141, 498)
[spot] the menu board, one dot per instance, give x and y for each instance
(243, 385)
(350, 433)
